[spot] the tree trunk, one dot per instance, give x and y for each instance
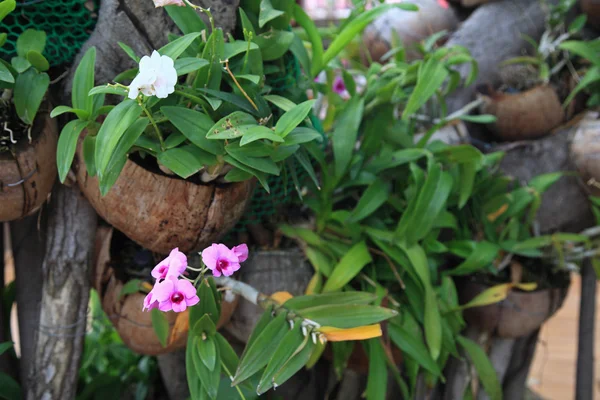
(28, 245)
(66, 284)
(584, 389)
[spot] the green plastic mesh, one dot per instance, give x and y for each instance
(67, 23)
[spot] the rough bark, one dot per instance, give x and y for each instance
(584, 389)
(65, 292)
(493, 33)
(28, 244)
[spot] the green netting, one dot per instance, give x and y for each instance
(67, 23)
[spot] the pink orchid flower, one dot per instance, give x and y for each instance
(224, 261)
(339, 86)
(163, 3)
(172, 266)
(443, 3)
(172, 294)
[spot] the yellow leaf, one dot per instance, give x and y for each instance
(526, 286)
(360, 333)
(315, 284)
(489, 296)
(181, 326)
(494, 216)
(146, 286)
(281, 297)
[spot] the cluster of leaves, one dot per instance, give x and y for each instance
(287, 337)
(25, 75)
(108, 368)
(402, 216)
(222, 113)
(588, 52)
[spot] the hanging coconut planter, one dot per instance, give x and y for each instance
(411, 27)
(530, 114)
(161, 212)
(585, 151)
(520, 314)
(27, 169)
(125, 311)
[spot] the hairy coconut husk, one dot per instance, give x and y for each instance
(520, 314)
(411, 27)
(125, 312)
(592, 9)
(525, 115)
(162, 212)
(585, 151)
(27, 176)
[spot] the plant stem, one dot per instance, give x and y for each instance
(205, 11)
(238, 85)
(158, 134)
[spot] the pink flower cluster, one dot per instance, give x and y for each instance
(224, 261)
(170, 292)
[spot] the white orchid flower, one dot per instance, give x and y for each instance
(157, 77)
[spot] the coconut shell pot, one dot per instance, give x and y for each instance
(27, 174)
(525, 115)
(125, 312)
(585, 151)
(161, 212)
(520, 314)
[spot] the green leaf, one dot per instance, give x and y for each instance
(541, 183)
(295, 363)
(227, 127)
(210, 76)
(459, 154)
(292, 118)
(583, 49)
(67, 144)
(178, 46)
(238, 175)
(31, 40)
(347, 315)
(118, 120)
(378, 374)
(483, 366)
(204, 326)
(189, 64)
(482, 257)
(5, 346)
(260, 132)
(174, 140)
(283, 152)
(132, 286)
(6, 7)
(345, 135)
(210, 379)
(274, 44)
(396, 159)
(267, 13)
(209, 305)
(160, 326)
(108, 89)
(20, 64)
(38, 61)
(10, 388)
(129, 51)
(305, 163)
(30, 88)
(302, 135)
(314, 37)
(83, 82)
(229, 358)
(258, 353)
(5, 74)
(208, 352)
(374, 197)
(349, 32)
(282, 102)
(81, 114)
(467, 178)
(262, 178)
(348, 267)
(319, 261)
(432, 74)
(291, 343)
(187, 160)
(186, 19)
(414, 347)
(265, 319)
(89, 145)
(261, 164)
(194, 125)
(315, 300)
(478, 119)
(233, 99)
(237, 47)
(591, 76)
(194, 384)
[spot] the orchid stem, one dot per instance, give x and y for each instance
(226, 62)
(158, 134)
(205, 11)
